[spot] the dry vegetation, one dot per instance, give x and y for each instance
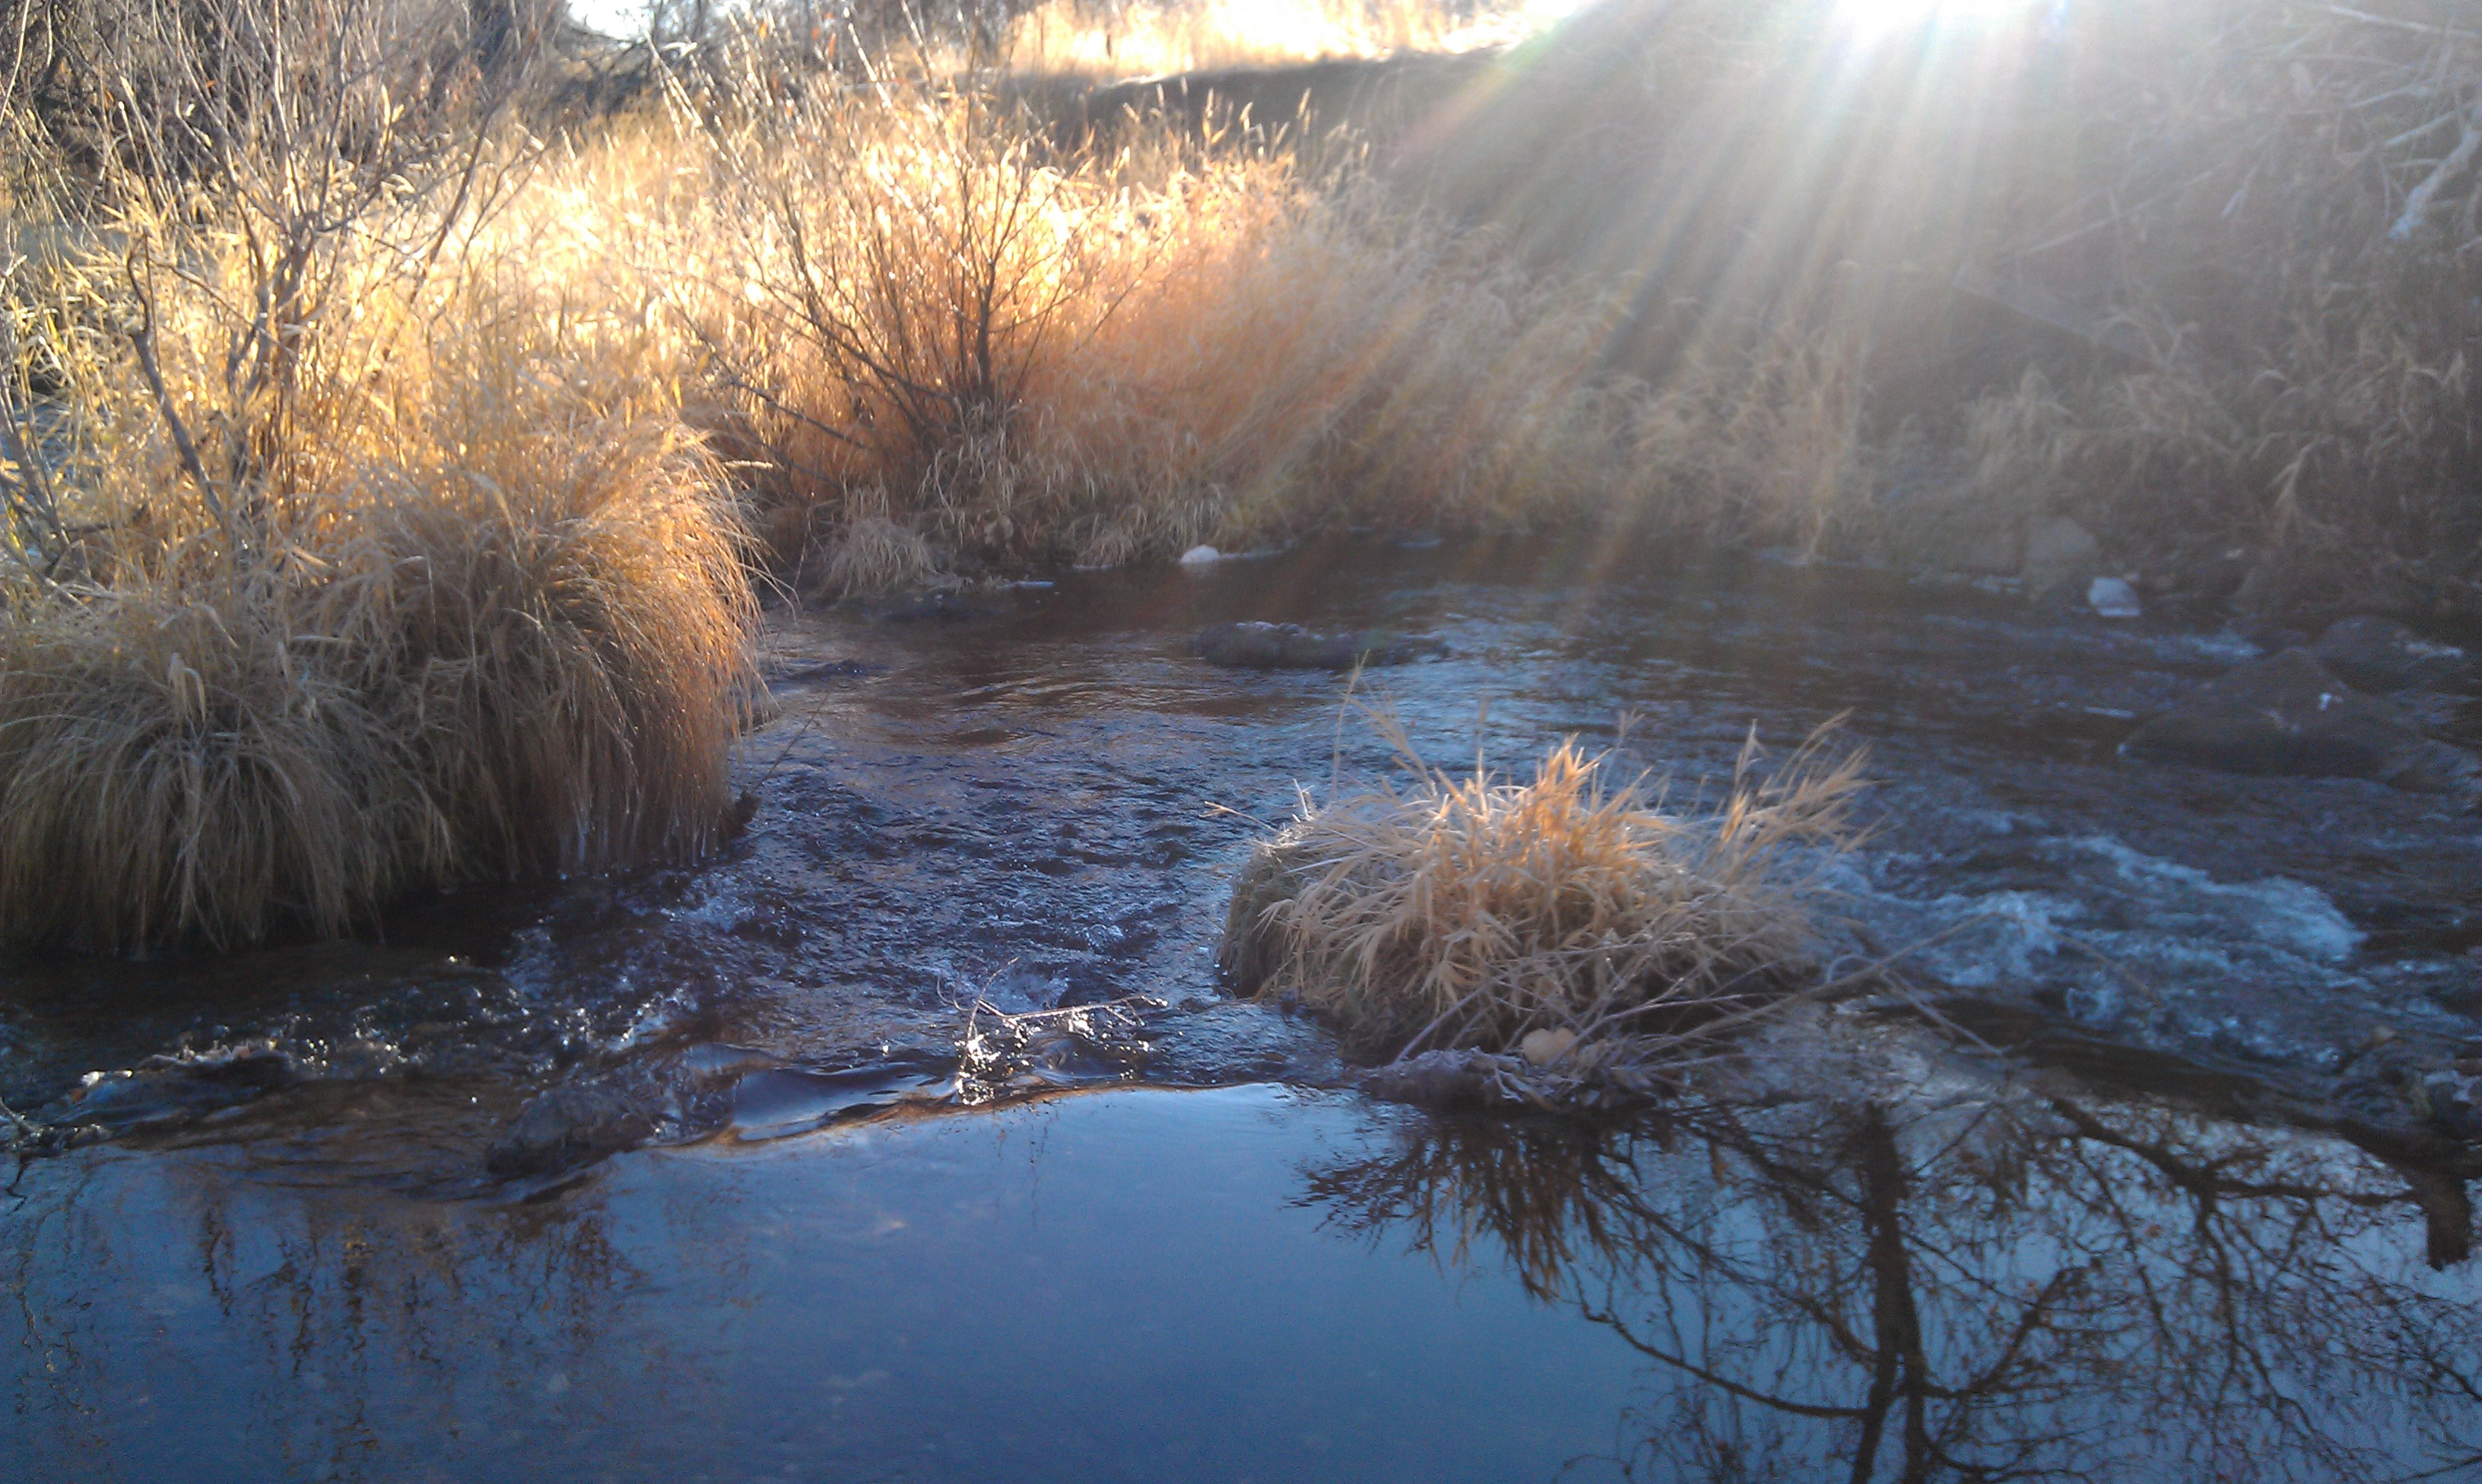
(1571, 916)
(358, 557)
(1153, 37)
(380, 374)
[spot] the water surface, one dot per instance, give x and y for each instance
(2211, 1238)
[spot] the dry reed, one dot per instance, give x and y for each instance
(1567, 917)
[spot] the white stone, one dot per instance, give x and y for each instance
(1201, 557)
(2112, 598)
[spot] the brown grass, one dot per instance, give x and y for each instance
(453, 595)
(1147, 40)
(937, 332)
(426, 563)
(1474, 913)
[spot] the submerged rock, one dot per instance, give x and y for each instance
(568, 1126)
(2381, 655)
(169, 1088)
(2062, 560)
(1288, 646)
(2290, 714)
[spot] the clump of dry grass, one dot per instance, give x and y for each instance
(177, 764)
(514, 643)
(1569, 917)
(376, 558)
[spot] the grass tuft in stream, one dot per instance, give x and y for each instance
(1572, 920)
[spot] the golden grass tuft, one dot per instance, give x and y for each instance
(467, 601)
(1471, 914)
(530, 660)
(181, 764)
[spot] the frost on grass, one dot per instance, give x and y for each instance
(1550, 939)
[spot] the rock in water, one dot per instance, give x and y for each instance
(2112, 598)
(1288, 646)
(2061, 562)
(2382, 655)
(568, 1126)
(2289, 714)
(1201, 557)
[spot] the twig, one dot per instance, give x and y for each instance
(32, 476)
(2417, 204)
(143, 339)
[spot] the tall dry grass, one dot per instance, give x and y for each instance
(1472, 913)
(1079, 37)
(942, 332)
(374, 556)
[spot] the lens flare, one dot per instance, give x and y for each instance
(1872, 18)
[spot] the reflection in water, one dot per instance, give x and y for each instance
(1986, 1289)
(1138, 1284)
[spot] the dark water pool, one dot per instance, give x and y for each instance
(265, 1236)
(1269, 1285)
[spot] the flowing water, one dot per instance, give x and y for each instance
(2183, 1223)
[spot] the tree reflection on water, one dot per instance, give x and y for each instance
(1998, 1289)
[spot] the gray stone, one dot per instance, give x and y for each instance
(2289, 714)
(2112, 598)
(2382, 655)
(1288, 646)
(2062, 560)
(568, 1126)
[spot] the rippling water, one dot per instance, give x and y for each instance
(1037, 804)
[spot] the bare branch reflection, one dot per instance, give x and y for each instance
(1990, 1288)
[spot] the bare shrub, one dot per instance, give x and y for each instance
(1475, 913)
(1023, 357)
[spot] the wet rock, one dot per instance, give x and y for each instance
(1201, 556)
(2112, 598)
(566, 1127)
(164, 1089)
(2451, 1102)
(1961, 539)
(1447, 1079)
(778, 1103)
(1288, 646)
(2289, 714)
(2062, 560)
(2199, 582)
(2382, 655)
